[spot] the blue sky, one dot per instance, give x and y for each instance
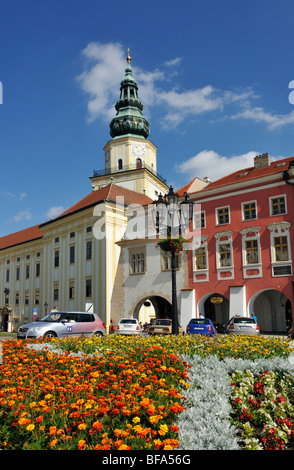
(213, 77)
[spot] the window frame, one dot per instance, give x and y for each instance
(244, 219)
(137, 251)
(280, 229)
(272, 214)
(217, 215)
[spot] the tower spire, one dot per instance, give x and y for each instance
(128, 59)
(129, 119)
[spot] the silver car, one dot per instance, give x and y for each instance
(128, 326)
(242, 326)
(61, 324)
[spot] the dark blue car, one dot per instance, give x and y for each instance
(198, 326)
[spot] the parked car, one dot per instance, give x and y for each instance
(242, 326)
(163, 326)
(128, 326)
(202, 326)
(61, 324)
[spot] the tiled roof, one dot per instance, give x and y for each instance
(107, 193)
(250, 174)
(23, 236)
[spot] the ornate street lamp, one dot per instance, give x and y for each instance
(172, 221)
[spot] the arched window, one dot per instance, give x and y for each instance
(120, 164)
(138, 163)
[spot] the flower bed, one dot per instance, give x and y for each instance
(172, 392)
(61, 401)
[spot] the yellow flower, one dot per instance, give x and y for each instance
(136, 419)
(30, 427)
(82, 426)
(163, 429)
(82, 444)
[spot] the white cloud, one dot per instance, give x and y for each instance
(54, 212)
(211, 164)
(174, 62)
(22, 196)
(273, 121)
(21, 215)
(8, 194)
(104, 66)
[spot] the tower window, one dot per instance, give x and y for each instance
(138, 163)
(120, 164)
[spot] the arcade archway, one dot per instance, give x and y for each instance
(214, 306)
(272, 309)
(152, 307)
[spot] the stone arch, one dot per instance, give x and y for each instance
(273, 310)
(217, 312)
(160, 308)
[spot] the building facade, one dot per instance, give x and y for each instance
(244, 261)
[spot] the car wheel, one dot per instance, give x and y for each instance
(50, 334)
(97, 333)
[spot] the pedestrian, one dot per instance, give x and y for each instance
(55, 309)
(254, 317)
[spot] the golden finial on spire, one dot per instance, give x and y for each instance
(128, 57)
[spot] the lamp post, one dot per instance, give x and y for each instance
(172, 221)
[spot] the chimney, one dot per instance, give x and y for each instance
(260, 161)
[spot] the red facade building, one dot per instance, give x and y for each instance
(244, 261)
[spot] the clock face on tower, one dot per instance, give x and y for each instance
(138, 150)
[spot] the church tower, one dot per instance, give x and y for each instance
(130, 158)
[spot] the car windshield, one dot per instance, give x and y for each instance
(163, 322)
(244, 320)
(199, 321)
(54, 317)
(128, 320)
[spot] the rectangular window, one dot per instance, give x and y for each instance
(249, 210)
(37, 297)
(18, 273)
(71, 290)
(56, 292)
(281, 249)
(137, 263)
(17, 298)
(200, 258)
(72, 254)
(166, 261)
(56, 258)
(38, 270)
(223, 216)
(27, 296)
(7, 275)
(89, 250)
(88, 287)
(199, 221)
(27, 271)
(251, 249)
(278, 205)
(225, 255)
